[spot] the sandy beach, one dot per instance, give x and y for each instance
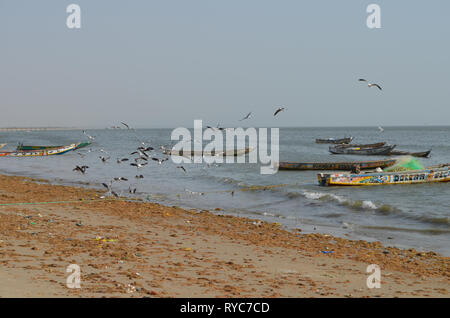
(129, 248)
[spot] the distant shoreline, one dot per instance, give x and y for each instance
(38, 128)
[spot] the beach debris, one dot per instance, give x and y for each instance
(327, 252)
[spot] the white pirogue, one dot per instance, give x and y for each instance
(439, 173)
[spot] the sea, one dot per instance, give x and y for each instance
(405, 216)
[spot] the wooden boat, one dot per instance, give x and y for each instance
(230, 153)
(22, 147)
(39, 153)
(429, 175)
(384, 150)
(375, 145)
(2, 145)
(334, 141)
(336, 165)
(424, 154)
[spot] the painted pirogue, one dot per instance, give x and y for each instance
(348, 166)
(39, 153)
(429, 175)
(334, 141)
(191, 153)
(22, 147)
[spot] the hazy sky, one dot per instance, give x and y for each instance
(165, 63)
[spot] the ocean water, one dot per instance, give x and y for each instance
(407, 216)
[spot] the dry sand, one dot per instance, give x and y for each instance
(137, 249)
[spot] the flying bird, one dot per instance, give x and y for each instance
(246, 117)
(128, 127)
(182, 168)
(160, 161)
(90, 137)
(370, 84)
(381, 129)
(280, 109)
(81, 169)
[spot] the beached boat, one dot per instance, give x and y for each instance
(22, 147)
(38, 153)
(348, 166)
(429, 175)
(227, 153)
(384, 150)
(375, 145)
(423, 154)
(334, 141)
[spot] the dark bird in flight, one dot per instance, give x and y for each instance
(81, 169)
(280, 109)
(182, 168)
(246, 117)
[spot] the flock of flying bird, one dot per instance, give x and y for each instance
(143, 156)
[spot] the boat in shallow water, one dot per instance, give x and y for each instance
(380, 151)
(430, 175)
(375, 145)
(226, 153)
(348, 166)
(22, 147)
(39, 153)
(423, 154)
(334, 141)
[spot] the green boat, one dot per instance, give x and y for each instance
(22, 147)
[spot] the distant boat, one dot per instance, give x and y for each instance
(336, 165)
(429, 175)
(334, 141)
(22, 147)
(39, 153)
(384, 150)
(375, 145)
(423, 154)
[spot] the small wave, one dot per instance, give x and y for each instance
(352, 204)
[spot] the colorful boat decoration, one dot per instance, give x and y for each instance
(39, 153)
(334, 141)
(430, 175)
(22, 147)
(380, 151)
(348, 166)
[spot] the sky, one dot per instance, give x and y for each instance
(165, 63)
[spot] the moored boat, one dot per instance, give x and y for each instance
(423, 154)
(336, 165)
(38, 153)
(429, 175)
(375, 145)
(22, 147)
(384, 150)
(334, 141)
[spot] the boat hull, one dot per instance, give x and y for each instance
(373, 179)
(25, 148)
(335, 165)
(39, 153)
(334, 141)
(381, 151)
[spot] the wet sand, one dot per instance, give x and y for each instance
(128, 248)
